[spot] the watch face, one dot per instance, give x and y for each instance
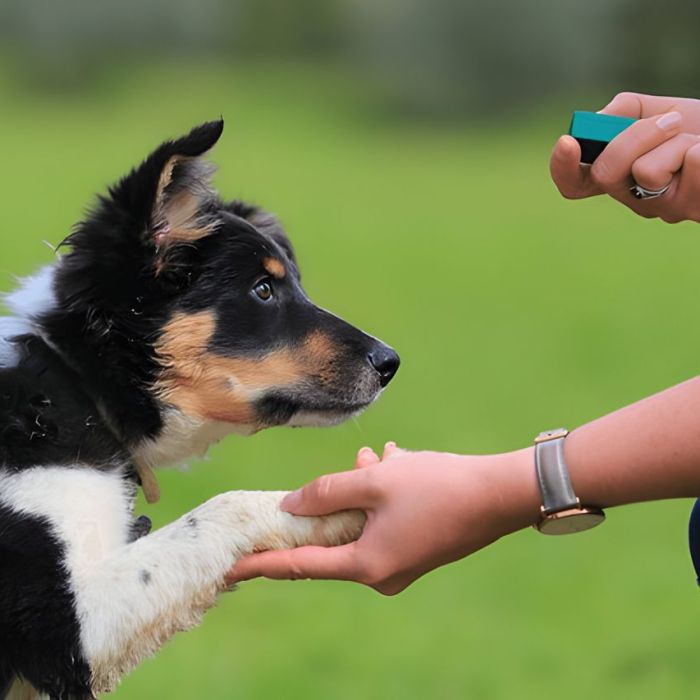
(569, 521)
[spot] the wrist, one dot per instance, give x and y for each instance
(515, 490)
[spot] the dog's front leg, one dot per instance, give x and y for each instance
(138, 596)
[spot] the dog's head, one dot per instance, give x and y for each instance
(196, 305)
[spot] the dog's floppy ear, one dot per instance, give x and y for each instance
(169, 193)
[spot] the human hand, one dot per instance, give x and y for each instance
(424, 509)
(662, 148)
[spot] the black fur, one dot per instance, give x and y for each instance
(39, 631)
(83, 392)
(46, 417)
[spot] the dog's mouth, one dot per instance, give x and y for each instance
(305, 418)
(296, 412)
(330, 395)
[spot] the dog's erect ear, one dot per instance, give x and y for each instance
(143, 232)
(168, 194)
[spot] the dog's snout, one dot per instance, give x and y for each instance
(385, 360)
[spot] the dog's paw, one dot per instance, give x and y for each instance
(256, 519)
(338, 528)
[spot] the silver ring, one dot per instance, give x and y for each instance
(639, 192)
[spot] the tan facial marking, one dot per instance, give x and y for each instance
(275, 267)
(319, 352)
(214, 387)
(193, 379)
(319, 347)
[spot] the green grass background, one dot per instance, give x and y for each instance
(513, 311)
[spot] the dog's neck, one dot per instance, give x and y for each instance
(181, 438)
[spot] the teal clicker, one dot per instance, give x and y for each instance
(594, 132)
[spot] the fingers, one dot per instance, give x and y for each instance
(343, 490)
(365, 457)
(613, 168)
(572, 180)
(331, 493)
(339, 563)
(655, 169)
(611, 173)
(686, 195)
(638, 106)
(391, 451)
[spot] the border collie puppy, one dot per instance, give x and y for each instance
(173, 319)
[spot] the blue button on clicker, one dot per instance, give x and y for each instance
(595, 131)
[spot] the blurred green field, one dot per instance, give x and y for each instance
(513, 311)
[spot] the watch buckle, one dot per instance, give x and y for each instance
(551, 435)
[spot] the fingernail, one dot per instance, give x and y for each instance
(669, 121)
(291, 501)
(390, 445)
(364, 450)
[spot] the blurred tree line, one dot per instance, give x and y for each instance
(428, 57)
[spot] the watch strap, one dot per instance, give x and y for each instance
(552, 472)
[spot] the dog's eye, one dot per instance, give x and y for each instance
(263, 290)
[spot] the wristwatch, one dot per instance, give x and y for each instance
(561, 510)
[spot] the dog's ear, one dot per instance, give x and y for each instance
(169, 194)
(143, 233)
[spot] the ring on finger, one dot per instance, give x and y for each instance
(639, 192)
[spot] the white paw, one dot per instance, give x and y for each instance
(258, 523)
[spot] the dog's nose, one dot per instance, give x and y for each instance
(385, 360)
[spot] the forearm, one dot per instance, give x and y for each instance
(430, 508)
(647, 451)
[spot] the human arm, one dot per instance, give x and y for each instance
(426, 509)
(662, 148)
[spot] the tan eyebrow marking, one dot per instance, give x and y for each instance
(275, 267)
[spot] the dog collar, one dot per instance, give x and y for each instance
(149, 483)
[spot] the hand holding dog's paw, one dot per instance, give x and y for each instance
(424, 509)
(258, 523)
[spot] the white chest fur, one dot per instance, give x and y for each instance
(89, 511)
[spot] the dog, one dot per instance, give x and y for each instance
(170, 319)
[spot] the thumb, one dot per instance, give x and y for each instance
(338, 563)
(572, 180)
(331, 493)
